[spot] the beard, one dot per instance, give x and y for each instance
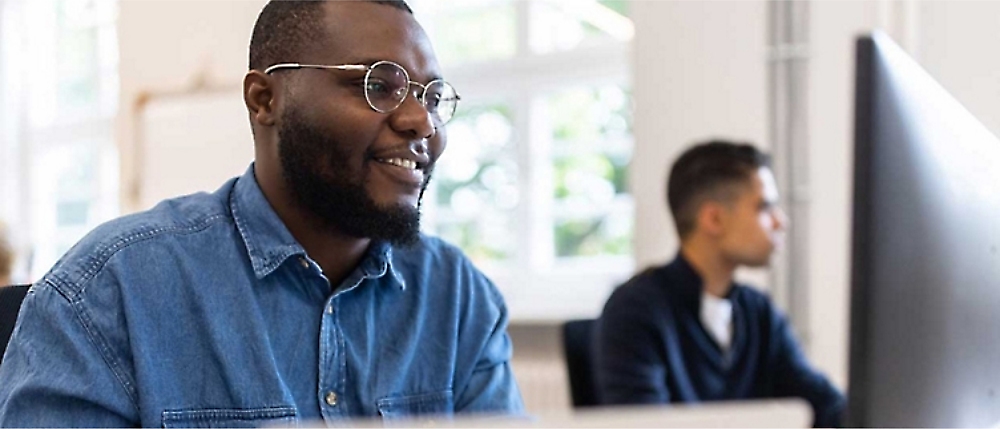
(317, 171)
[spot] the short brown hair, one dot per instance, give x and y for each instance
(708, 171)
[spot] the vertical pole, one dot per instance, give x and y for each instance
(788, 42)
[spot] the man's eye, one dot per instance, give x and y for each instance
(433, 100)
(377, 88)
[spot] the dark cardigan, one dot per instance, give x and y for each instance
(651, 347)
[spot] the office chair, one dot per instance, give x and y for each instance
(10, 305)
(577, 339)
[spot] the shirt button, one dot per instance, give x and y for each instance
(329, 309)
(331, 399)
(304, 262)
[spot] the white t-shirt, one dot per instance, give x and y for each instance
(717, 318)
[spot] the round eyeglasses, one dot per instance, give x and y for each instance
(387, 84)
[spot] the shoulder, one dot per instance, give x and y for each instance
(433, 260)
(431, 248)
(642, 287)
(184, 215)
(431, 253)
(642, 296)
(753, 296)
(757, 305)
(443, 282)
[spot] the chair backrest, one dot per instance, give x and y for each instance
(577, 346)
(10, 305)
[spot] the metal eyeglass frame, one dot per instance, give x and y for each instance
(367, 69)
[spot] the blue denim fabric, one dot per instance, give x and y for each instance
(205, 312)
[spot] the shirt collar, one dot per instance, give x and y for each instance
(269, 243)
(688, 280)
(376, 264)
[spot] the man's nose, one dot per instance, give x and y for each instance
(413, 119)
(781, 221)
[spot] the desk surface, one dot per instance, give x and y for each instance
(746, 414)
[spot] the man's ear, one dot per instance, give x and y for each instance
(261, 98)
(712, 218)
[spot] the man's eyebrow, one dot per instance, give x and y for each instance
(426, 79)
(369, 61)
(366, 61)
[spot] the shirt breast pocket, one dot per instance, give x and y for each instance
(229, 418)
(439, 403)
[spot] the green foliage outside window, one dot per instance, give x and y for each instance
(608, 235)
(477, 183)
(592, 135)
(78, 60)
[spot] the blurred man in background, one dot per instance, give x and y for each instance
(685, 331)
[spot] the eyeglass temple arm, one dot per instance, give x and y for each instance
(283, 66)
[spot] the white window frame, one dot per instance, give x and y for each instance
(537, 287)
(36, 127)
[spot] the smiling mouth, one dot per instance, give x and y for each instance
(406, 172)
(402, 163)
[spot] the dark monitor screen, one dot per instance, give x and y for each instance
(925, 303)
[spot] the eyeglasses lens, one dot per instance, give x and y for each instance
(386, 86)
(441, 100)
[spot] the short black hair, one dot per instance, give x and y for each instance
(285, 27)
(709, 171)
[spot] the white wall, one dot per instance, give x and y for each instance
(168, 45)
(698, 73)
(956, 41)
(834, 26)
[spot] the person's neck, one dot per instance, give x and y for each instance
(336, 253)
(716, 273)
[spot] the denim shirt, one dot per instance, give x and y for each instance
(205, 311)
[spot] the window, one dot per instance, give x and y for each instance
(476, 191)
(60, 98)
(533, 185)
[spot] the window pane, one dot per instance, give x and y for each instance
(561, 25)
(77, 59)
(588, 115)
(469, 31)
(590, 178)
(75, 183)
(592, 139)
(595, 236)
(476, 183)
(592, 146)
(65, 189)
(72, 213)
(78, 79)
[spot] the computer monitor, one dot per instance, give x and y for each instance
(925, 304)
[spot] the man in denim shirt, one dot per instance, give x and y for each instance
(299, 291)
